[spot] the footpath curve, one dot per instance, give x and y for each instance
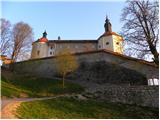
(9, 106)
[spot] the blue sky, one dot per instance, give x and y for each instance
(68, 19)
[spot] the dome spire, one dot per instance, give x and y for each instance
(107, 25)
(44, 37)
(45, 34)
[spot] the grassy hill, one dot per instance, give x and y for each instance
(14, 85)
(70, 108)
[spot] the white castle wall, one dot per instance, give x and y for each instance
(110, 43)
(39, 50)
(102, 43)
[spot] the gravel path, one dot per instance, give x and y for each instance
(9, 106)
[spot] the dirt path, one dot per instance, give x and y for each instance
(9, 111)
(9, 106)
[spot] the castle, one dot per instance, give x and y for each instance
(110, 41)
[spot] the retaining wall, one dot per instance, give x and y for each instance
(138, 95)
(47, 66)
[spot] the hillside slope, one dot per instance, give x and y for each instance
(103, 72)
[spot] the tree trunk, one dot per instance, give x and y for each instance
(63, 80)
(154, 52)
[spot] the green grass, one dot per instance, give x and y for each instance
(9, 90)
(71, 108)
(22, 86)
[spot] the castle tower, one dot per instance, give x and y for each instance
(40, 47)
(110, 40)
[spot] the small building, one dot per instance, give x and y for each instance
(5, 60)
(109, 41)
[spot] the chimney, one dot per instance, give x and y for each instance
(59, 38)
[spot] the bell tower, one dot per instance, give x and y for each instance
(40, 47)
(110, 40)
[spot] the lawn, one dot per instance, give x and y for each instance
(69, 108)
(9, 90)
(27, 86)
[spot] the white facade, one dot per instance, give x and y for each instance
(112, 43)
(39, 50)
(106, 42)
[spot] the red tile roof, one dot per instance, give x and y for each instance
(69, 41)
(73, 41)
(43, 39)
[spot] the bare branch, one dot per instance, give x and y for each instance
(22, 38)
(141, 27)
(5, 44)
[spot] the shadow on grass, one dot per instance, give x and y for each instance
(70, 108)
(36, 87)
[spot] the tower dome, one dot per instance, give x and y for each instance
(43, 38)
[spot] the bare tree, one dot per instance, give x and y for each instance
(22, 39)
(140, 30)
(5, 44)
(66, 63)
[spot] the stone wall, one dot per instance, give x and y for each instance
(75, 47)
(138, 95)
(104, 72)
(142, 95)
(47, 66)
(134, 64)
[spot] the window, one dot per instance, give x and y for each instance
(99, 46)
(107, 43)
(153, 81)
(51, 47)
(50, 53)
(38, 52)
(76, 46)
(117, 43)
